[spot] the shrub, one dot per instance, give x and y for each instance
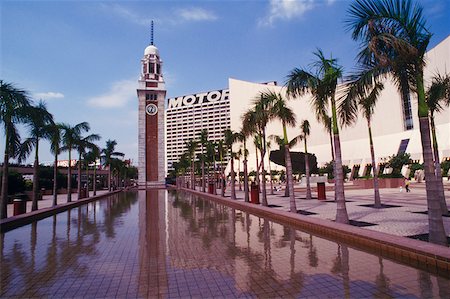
(396, 162)
(16, 183)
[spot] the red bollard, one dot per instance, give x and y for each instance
(321, 195)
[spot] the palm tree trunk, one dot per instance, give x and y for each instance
(109, 177)
(341, 212)
(34, 204)
(203, 173)
(79, 176)
(289, 179)
(264, 191)
(331, 144)
(376, 188)
(94, 180)
(435, 223)
(286, 188)
(438, 169)
(263, 170)
(233, 177)
(292, 204)
(270, 175)
(239, 174)
(4, 194)
(246, 191)
(69, 178)
(308, 184)
(192, 174)
(55, 183)
(222, 174)
(87, 179)
(257, 168)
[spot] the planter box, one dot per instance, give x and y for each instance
(382, 183)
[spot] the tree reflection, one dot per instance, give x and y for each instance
(62, 255)
(382, 283)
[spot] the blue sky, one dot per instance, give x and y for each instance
(83, 57)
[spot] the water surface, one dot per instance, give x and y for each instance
(166, 244)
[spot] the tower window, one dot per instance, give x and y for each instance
(152, 68)
(151, 97)
(158, 69)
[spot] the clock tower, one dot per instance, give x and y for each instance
(151, 95)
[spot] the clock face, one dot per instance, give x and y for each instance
(151, 109)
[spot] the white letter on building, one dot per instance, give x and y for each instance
(189, 100)
(175, 102)
(213, 96)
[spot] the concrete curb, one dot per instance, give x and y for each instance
(423, 255)
(27, 218)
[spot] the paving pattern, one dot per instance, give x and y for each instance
(400, 221)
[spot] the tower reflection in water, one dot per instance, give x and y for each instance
(158, 243)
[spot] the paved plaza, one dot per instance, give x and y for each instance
(405, 215)
(47, 201)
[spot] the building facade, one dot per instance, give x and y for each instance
(187, 116)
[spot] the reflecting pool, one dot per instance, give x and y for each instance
(167, 244)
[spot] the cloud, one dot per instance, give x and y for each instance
(48, 95)
(176, 16)
(287, 9)
(127, 14)
(196, 14)
(119, 95)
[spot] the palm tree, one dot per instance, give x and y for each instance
(191, 146)
(38, 122)
(283, 113)
(262, 110)
(203, 140)
(70, 138)
(279, 140)
(437, 93)
(109, 153)
(322, 87)
(394, 38)
(268, 146)
(55, 147)
(211, 158)
(358, 95)
(14, 103)
(81, 145)
(242, 136)
(238, 157)
(258, 146)
(305, 132)
(91, 157)
(230, 139)
(221, 151)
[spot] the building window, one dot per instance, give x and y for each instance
(152, 68)
(407, 113)
(403, 146)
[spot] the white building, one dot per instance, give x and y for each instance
(393, 121)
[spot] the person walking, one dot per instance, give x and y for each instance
(407, 185)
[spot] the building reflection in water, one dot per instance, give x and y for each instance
(165, 244)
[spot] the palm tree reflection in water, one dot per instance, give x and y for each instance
(185, 237)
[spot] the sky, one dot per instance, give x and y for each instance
(83, 57)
